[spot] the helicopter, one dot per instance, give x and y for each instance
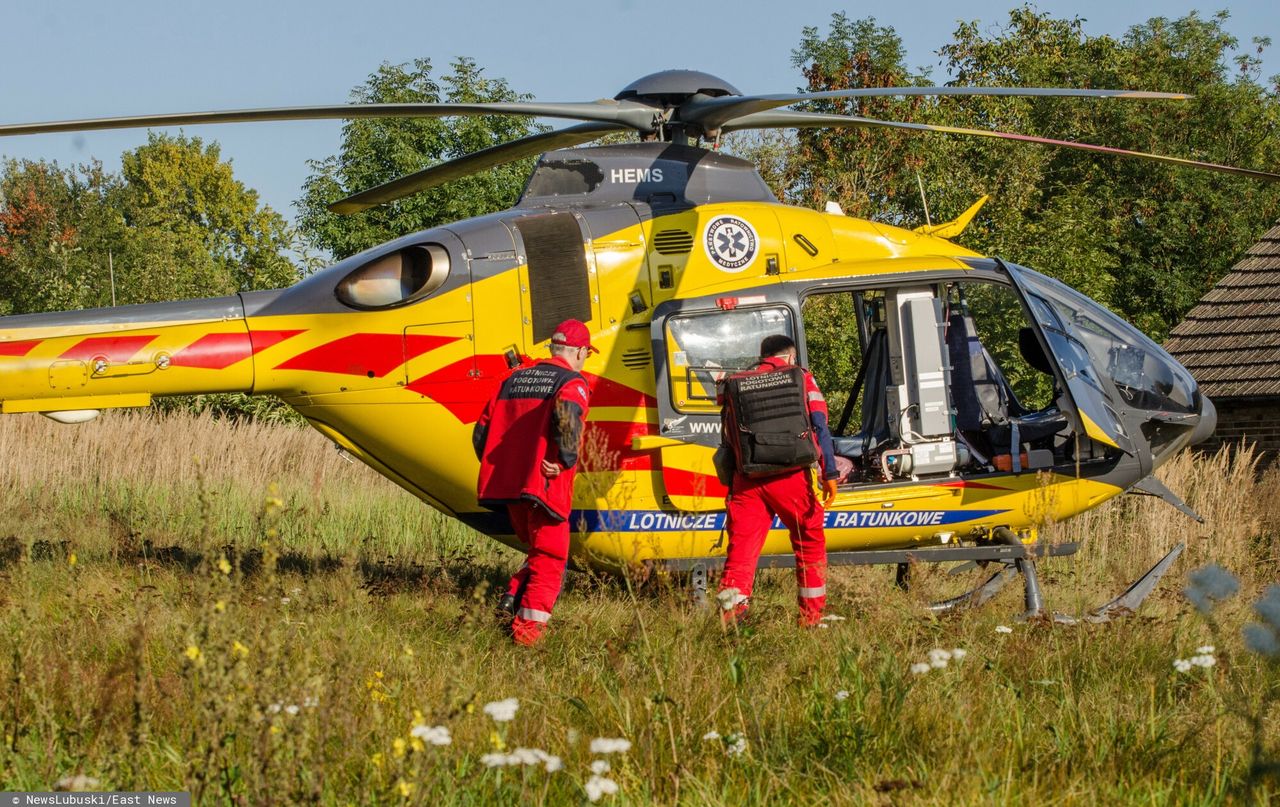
(680, 260)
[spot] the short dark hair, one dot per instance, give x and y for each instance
(775, 344)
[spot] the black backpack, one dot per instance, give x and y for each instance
(766, 422)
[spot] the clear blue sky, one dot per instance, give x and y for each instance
(87, 58)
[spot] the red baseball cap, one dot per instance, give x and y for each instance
(572, 333)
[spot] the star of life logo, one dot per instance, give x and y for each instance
(730, 243)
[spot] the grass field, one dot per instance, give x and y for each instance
(237, 611)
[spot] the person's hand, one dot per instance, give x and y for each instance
(829, 491)
(550, 469)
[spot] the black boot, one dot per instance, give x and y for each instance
(506, 607)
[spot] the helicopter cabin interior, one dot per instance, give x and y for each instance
(942, 374)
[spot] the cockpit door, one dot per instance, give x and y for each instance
(1090, 394)
(697, 343)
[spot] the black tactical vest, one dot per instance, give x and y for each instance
(767, 422)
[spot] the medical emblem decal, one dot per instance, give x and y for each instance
(730, 243)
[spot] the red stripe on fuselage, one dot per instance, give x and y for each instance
(679, 482)
(607, 392)
(18, 348)
(218, 351)
(264, 339)
(606, 446)
(460, 390)
(368, 354)
(214, 351)
(117, 349)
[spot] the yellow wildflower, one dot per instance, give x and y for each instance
(397, 747)
(220, 606)
(276, 729)
(376, 759)
(417, 744)
(496, 741)
(405, 788)
(71, 559)
(224, 565)
(192, 652)
(418, 717)
(239, 649)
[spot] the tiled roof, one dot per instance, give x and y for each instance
(1230, 341)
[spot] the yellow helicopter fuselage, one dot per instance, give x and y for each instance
(400, 385)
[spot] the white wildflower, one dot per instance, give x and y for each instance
(920, 668)
(292, 709)
(832, 618)
(711, 735)
(311, 702)
(503, 711)
(735, 744)
(432, 735)
(523, 756)
(599, 766)
(284, 600)
(1003, 629)
(495, 760)
(730, 598)
(1205, 649)
(598, 786)
(1203, 660)
(274, 708)
(609, 745)
(958, 653)
(1182, 665)
(938, 658)
(842, 695)
(78, 782)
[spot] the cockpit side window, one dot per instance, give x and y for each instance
(703, 348)
(1144, 375)
(398, 278)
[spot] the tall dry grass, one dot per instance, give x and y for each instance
(155, 671)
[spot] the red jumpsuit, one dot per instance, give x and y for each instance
(752, 504)
(537, 414)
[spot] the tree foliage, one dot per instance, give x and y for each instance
(1146, 240)
(174, 224)
(377, 150)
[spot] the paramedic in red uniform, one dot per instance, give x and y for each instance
(527, 441)
(753, 502)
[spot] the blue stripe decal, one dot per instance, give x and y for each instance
(667, 521)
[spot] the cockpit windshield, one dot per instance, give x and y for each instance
(1145, 376)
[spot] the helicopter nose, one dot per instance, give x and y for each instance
(1208, 421)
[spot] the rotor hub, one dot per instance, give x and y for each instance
(668, 88)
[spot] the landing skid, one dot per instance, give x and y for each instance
(1014, 557)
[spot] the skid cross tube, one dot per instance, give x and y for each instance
(941, 554)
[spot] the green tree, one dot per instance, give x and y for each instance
(1142, 238)
(378, 150)
(57, 229)
(194, 229)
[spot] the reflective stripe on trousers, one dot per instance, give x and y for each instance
(534, 615)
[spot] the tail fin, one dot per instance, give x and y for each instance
(953, 228)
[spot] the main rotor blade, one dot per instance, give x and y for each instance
(786, 119)
(626, 113)
(472, 163)
(713, 113)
